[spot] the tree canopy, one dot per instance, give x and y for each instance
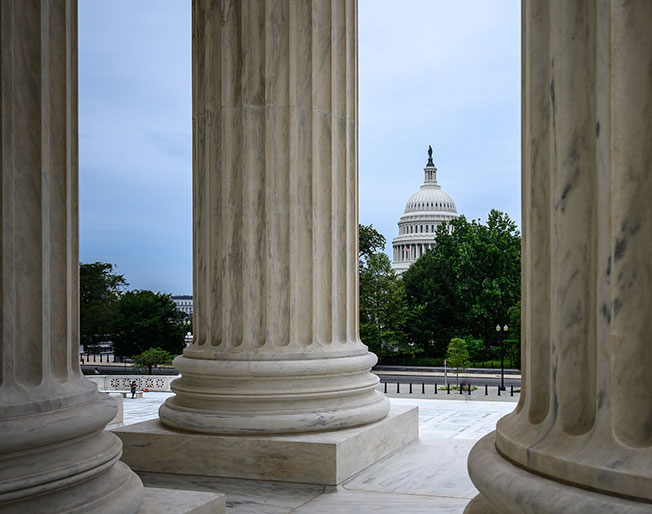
(146, 319)
(382, 298)
(370, 242)
(382, 308)
(466, 284)
(151, 358)
(99, 293)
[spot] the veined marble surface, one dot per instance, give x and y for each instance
(447, 419)
(426, 476)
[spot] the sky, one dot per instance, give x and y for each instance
(432, 72)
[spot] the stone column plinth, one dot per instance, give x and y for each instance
(275, 238)
(580, 439)
(54, 454)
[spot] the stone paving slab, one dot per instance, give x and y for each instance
(427, 476)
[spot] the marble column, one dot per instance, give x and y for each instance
(275, 240)
(54, 453)
(580, 439)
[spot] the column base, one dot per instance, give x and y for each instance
(508, 489)
(326, 458)
(274, 396)
(480, 505)
(64, 461)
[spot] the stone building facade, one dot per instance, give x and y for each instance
(183, 303)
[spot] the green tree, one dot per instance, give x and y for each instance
(99, 292)
(457, 356)
(466, 284)
(370, 242)
(382, 308)
(477, 350)
(145, 320)
(151, 358)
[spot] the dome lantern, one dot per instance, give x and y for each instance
(430, 171)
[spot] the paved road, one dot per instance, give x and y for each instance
(479, 380)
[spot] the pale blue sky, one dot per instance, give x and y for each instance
(443, 73)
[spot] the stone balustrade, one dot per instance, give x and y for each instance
(109, 383)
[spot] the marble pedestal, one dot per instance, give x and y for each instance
(157, 500)
(325, 458)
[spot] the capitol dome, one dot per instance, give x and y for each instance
(430, 199)
(424, 211)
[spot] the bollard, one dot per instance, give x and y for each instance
(448, 389)
(423, 388)
(486, 389)
(498, 390)
(385, 387)
(511, 391)
(410, 387)
(398, 387)
(436, 388)
(469, 389)
(461, 387)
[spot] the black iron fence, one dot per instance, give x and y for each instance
(435, 388)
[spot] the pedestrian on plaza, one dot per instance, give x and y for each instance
(466, 386)
(134, 386)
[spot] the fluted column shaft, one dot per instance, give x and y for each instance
(275, 233)
(585, 414)
(54, 454)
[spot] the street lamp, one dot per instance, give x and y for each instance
(502, 336)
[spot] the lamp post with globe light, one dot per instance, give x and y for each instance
(502, 335)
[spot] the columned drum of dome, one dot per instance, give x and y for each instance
(424, 211)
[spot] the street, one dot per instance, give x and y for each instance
(476, 380)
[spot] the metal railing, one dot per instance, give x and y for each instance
(445, 388)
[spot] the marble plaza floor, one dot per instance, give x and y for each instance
(426, 476)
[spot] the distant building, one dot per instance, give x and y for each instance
(425, 210)
(184, 303)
